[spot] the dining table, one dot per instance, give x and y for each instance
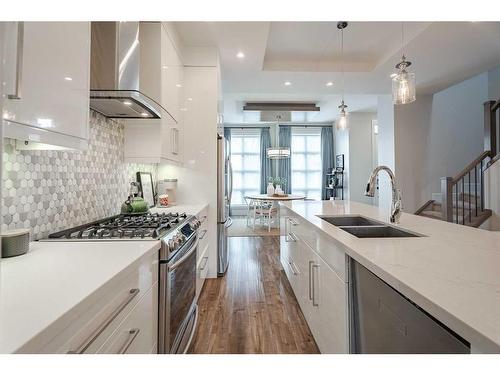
(275, 199)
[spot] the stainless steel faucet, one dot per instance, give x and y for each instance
(396, 206)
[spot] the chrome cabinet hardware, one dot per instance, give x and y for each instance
(19, 62)
(132, 334)
(314, 267)
(293, 268)
(175, 141)
(204, 263)
(289, 235)
(95, 334)
(311, 262)
(203, 234)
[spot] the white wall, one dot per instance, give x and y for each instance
(456, 130)
(492, 195)
(341, 146)
(386, 149)
(411, 132)
(494, 84)
(434, 137)
(360, 155)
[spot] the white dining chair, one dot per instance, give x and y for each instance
(250, 209)
(264, 210)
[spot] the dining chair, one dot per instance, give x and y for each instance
(265, 210)
(250, 209)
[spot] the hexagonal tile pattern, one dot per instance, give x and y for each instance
(49, 191)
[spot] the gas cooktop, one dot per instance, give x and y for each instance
(145, 226)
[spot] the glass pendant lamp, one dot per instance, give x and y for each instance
(403, 82)
(342, 123)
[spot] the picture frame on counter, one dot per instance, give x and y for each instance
(145, 180)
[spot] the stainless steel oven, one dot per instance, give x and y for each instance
(178, 312)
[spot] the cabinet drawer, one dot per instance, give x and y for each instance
(137, 333)
(203, 231)
(201, 270)
(92, 322)
(331, 252)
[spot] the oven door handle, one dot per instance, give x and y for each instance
(192, 332)
(184, 257)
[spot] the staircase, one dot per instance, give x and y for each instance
(462, 197)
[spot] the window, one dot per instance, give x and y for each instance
(245, 159)
(306, 162)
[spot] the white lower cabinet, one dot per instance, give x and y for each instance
(320, 292)
(201, 270)
(100, 323)
(138, 332)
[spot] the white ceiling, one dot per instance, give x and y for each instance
(307, 55)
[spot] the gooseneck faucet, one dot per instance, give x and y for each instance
(396, 206)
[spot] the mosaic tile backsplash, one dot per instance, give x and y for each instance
(47, 191)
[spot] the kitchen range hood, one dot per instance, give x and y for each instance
(115, 87)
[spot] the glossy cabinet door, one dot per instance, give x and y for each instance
(171, 77)
(48, 82)
(328, 308)
(320, 291)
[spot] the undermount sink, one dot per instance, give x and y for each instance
(363, 227)
(377, 232)
(349, 221)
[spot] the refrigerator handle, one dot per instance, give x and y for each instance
(228, 222)
(230, 172)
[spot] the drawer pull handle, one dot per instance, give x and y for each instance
(311, 263)
(205, 261)
(85, 345)
(132, 334)
(203, 234)
(314, 303)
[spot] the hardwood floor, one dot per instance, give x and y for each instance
(252, 309)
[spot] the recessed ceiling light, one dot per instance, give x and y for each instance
(240, 55)
(190, 99)
(145, 114)
(329, 83)
(288, 83)
(68, 78)
(127, 102)
(178, 85)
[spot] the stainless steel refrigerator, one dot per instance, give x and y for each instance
(224, 192)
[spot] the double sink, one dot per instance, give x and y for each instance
(363, 227)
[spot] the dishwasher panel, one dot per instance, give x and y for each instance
(383, 321)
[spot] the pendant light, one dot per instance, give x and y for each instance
(278, 152)
(403, 82)
(342, 120)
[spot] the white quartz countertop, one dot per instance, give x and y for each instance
(41, 286)
(453, 272)
(190, 209)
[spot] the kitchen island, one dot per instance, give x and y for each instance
(450, 271)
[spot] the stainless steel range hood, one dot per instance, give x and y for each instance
(115, 87)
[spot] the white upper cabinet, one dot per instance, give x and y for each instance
(171, 77)
(47, 83)
(158, 140)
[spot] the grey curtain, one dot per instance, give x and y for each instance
(285, 168)
(265, 162)
(326, 156)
